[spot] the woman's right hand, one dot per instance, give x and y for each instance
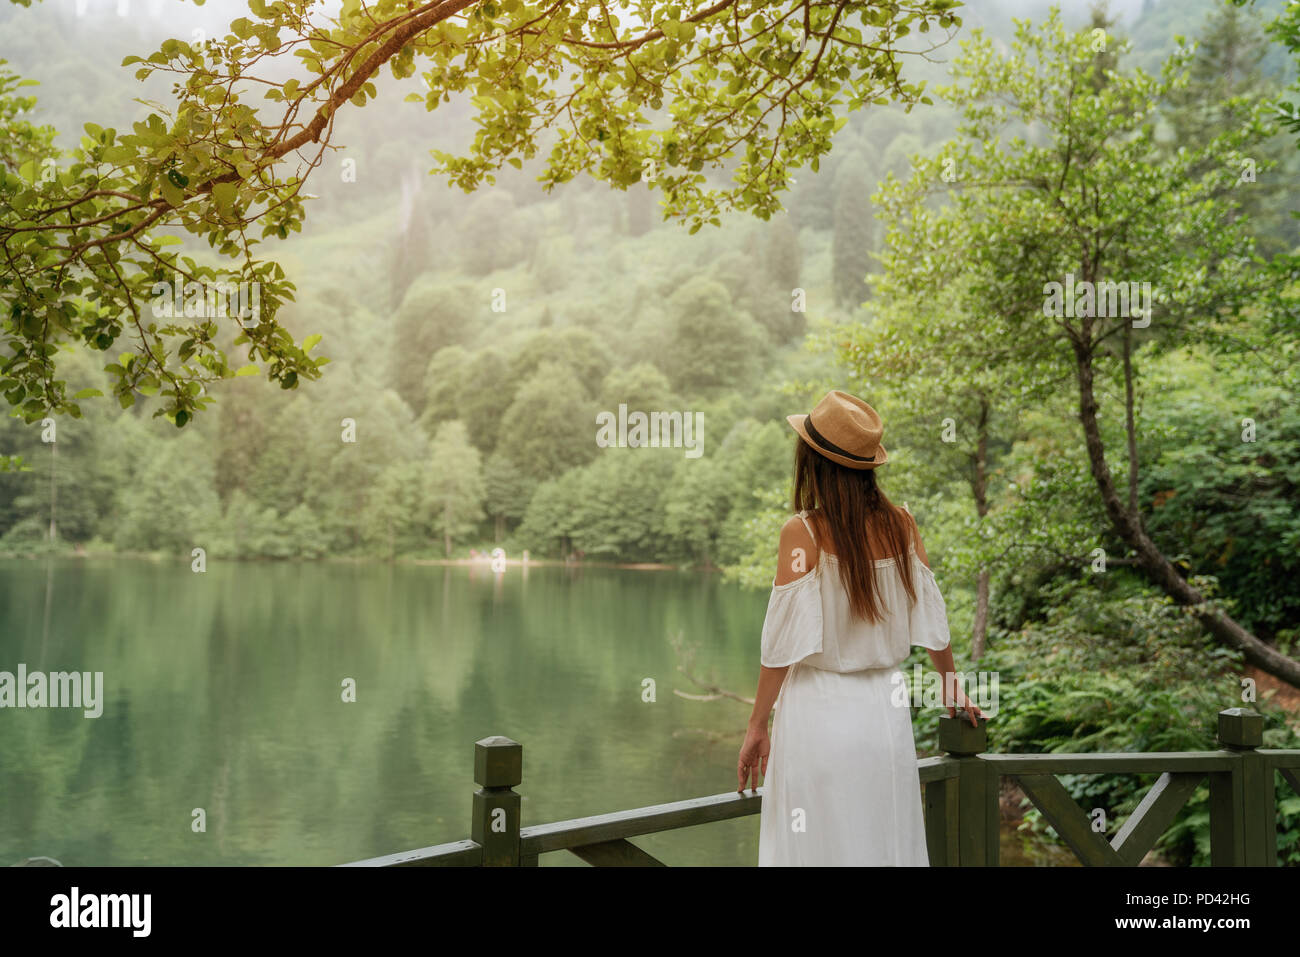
(753, 757)
(973, 713)
(954, 699)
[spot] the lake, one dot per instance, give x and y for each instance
(224, 691)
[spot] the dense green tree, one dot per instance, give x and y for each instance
(397, 513)
(551, 520)
(250, 530)
(474, 387)
(1019, 259)
(241, 425)
(620, 511)
(455, 484)
(640, 387)
(713, 345)
(171, 503)
(445, 386)
(579, 352)
(611, 509)
(763, 454)
(351, 441)
(551, 424)
(303, 533)
(284, 463)
(507, 491)
(695, 504)
(435, 314)
(485, 396)
(1224, 488)
(74, 478)
(1226, 81)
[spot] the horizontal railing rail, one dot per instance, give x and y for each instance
(961, 799)
(454, 854)
(621, 825)
(1151, 762)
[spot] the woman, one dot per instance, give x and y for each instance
(853, 592)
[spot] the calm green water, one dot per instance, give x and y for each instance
(223, 691)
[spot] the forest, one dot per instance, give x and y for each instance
(1113, 506)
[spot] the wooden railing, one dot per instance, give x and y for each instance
(961, 790)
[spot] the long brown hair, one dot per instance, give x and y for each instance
(849, 502)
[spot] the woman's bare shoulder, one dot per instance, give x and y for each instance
(797, 553)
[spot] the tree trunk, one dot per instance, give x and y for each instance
(501, 527)
(446, 528)
(1150, 559)
(1130, 425)
(980, 628)
(979, 488)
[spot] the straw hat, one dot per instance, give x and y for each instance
(844, 429)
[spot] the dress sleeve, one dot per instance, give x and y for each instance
(929, 620)
(792, 629)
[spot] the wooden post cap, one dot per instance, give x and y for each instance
(498, 762)
(1241, 728)
(957, 736)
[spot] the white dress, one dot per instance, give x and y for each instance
(842, 787)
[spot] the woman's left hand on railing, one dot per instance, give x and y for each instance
(973, 713)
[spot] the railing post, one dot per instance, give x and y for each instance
(941, 822)
(498, 767)
(977, 791)
(1243, 805)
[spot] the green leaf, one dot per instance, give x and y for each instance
(87, 393)
(248, 370)
(224, 195)
(171, 192)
